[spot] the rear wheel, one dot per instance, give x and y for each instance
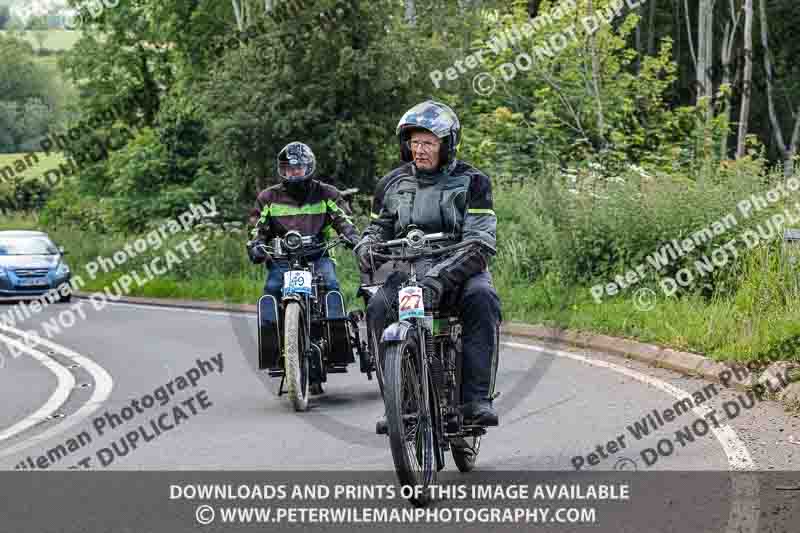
(408, 419)
(296, 362)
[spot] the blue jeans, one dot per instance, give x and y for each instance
(323, 266)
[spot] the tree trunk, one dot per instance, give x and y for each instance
(691, 45)
(651, 29)
(639, 50)
(237, 12)
(726, 54)
(601, 123)
(411, 12)
(744, 117)
(788, 152)
(705, 41)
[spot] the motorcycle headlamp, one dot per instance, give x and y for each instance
(293, 241)
(416, 238)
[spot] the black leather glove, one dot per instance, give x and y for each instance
(257, 253)
(350, 240)
(363, 253)
(432, 292)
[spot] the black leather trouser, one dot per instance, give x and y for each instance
(480, 315)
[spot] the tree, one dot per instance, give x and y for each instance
(726, 58)
(5, 16)
(789, 150)
(744, 117)
(25, 95)
(341, 92)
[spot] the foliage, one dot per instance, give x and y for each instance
(340, 92)
(27, 98)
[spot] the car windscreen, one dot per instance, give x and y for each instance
(27, 246)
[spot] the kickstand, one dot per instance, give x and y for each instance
(280, 387)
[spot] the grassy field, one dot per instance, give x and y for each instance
(56, 39)
(46, 162)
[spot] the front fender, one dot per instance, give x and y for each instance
(396, 332)
(293, 298)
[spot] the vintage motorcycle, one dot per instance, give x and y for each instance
(422, 374)
(318, 336)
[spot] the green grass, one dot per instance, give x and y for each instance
(37, 170)
(56, 39)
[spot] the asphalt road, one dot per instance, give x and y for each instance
(556, 404)
(152, 389)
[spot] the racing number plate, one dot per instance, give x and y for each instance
(297, 282)
(411, 305)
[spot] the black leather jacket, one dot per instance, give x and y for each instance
(457, 201)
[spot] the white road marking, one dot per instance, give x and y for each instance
(103, 384)
(66, 382)
(745, 488)
(735, 449)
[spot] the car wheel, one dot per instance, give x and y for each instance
(64, 299)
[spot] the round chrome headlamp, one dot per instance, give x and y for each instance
(415, 238)
(293, 240)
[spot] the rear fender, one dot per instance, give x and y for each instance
(269, 335)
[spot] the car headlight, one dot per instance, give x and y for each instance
(3, 273)
(62, 270)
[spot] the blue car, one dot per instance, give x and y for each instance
(31, 265)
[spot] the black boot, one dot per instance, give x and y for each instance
(480, 413)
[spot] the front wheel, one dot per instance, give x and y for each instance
(465, 452)
(374, 348)
(408, 419)
(296, 362)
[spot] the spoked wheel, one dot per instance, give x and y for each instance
(409, 419)
(465, 452)
(296, 361)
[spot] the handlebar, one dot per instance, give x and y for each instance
(418, 244)
(301, 246)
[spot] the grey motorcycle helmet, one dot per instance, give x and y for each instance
(437, 118)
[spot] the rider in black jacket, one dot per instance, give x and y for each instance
(436, 192)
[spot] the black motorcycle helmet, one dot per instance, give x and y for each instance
(296, 165)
